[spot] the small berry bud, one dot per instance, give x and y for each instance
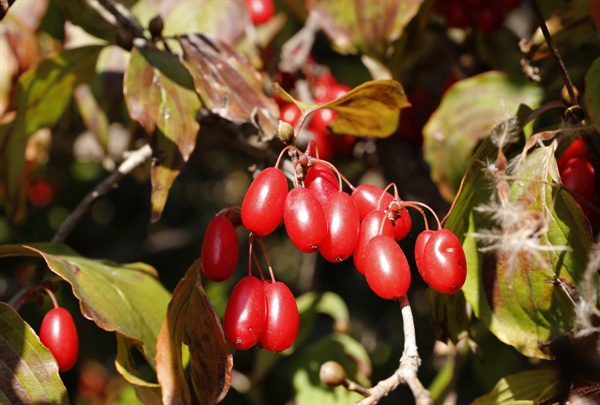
(332, 373)
(285, 132)
(155, 27)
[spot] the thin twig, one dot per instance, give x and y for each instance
(409, 366)
(128, 22)
(134, 160)
(554, 50)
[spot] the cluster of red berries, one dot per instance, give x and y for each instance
(486, 15)
(579, 176)
(319, 216)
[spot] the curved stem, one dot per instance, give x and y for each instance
(416, 205)
(52, 296)
(554, 51)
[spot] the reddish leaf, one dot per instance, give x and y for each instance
(218, 69)
(191, 319)
(160, 95)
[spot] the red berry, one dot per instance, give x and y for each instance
(59, 335)
(260, 11)
(290, 113)
(386, 268)
(443, 264)
(322, 181)
(245, 314)
(220, 249)
(40, 193)
(304, 220)
(343, 224)
(578, 175)
(375, 223)
(457, 15)
(262, 206)
(367, 198)
(402, 224)
(577, 149)
(282, 320)
(420, 248)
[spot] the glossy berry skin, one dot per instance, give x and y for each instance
(402, 224)
(245, 314)
(420, 243)
(282, 320)
(343, 227)
(304, 220)
(322, 181)
(375, 223)
(444, 266)
(262, 206)
(290, 113)
(367, 198)
(577, 149)
(59, 335)
(220, 249)
(386, 268)
(260, 11)
(578, 175)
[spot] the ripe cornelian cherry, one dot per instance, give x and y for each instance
(290, 113)
(578, 176)
(262, 206)
(322, 181)
(375, 223)
(245, 314)
(420, 247)
(577, 149)
(304, 220)
(402, 223)
(260, 11)
(386, 268)
(343, 227)
(59, 334)
(282, 320)
(220, 249)
(443, 263)
(367, 198)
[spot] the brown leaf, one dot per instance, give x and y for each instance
(191, 319)
(160, 95)
(228, 84)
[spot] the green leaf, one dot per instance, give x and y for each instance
(592, 92)
(527, 387)
(515, 287)
(126, 298)
(43, 93)
(338, 347)
(92, 17)
(217, 68)
(160, 95)
(191, 320)
(371, 109)
(469, 110)
(363, 26)
(29, 371)
(226, 19)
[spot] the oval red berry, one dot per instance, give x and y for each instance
(386, 268)
(59, 334)
(283, 320)
(262, 206)
(220, 249)
(245, 314)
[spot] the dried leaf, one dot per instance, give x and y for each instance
(371, 109)
(228, 84)
(367, 27)
(160, 95)
(29, 373)
(191, 320)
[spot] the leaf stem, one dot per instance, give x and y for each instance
(128, 22)
(554, 51)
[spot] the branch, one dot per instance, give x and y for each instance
(127, 21)
(409, 365)
(132, 161)
(4, 6)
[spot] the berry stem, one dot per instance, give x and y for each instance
(416, 205)
(340, 176)
(52, 296)
(264, 251)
